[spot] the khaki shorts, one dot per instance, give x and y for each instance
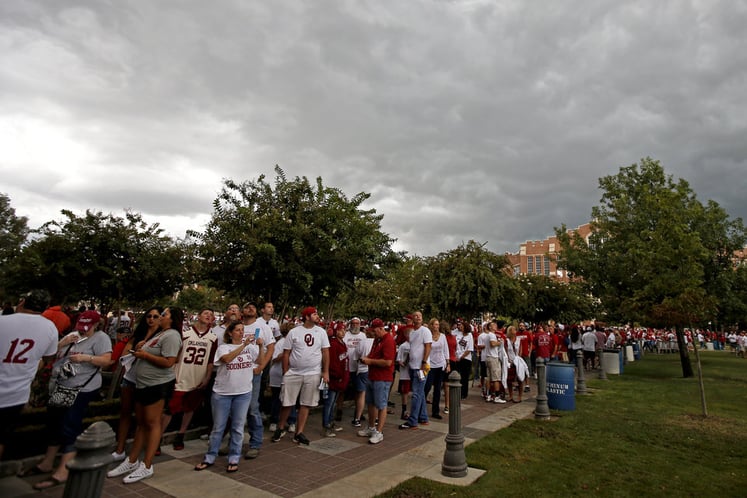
(494, 368)
(304, 388)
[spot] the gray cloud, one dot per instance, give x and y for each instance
(465, 120)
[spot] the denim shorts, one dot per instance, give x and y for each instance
(377, 393)
(361, 381)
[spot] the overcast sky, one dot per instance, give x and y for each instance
(488, 120)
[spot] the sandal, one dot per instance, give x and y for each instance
(232, 467)
(203, 465)
(33, 471)
(49, 482)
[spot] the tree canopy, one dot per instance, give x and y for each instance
(656, 254)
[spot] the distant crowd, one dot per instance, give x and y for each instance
(255, 371)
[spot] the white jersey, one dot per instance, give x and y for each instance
(363, 349)
(305, 346)
(351, 341)
(24, 339)
(197, 353)
(235, 377)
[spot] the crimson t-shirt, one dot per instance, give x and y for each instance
(382, 349)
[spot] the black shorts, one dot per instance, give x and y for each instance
(483, 369)
(9, 418)
(153, 394)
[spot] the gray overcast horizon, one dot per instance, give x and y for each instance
(485, 120)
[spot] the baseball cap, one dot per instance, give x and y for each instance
(308, 311)
(87, 319)
(376, 323)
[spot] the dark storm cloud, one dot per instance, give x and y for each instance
(465, 120)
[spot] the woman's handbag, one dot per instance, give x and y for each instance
(64, 397)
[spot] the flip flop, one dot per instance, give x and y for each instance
(33, 471)
(232, 467)
(203, 465)
(49, 482)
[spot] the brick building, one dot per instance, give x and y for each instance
(537, 257)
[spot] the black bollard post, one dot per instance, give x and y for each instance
(93, 456)
(542, 411)
(581, 380)
(455, 461)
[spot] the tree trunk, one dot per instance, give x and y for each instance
(700, 379)
(687, 368)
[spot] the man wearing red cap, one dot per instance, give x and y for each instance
(305, 364)
(380, 362)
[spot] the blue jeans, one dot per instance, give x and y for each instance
(328, 415)
(418, 410)
(256, 428)
(224, 406)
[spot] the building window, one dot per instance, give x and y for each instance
(538, 264)
(517, 270)
(547, 266)
(530, 265)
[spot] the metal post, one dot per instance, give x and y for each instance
(88, 467)
(542, 411)
(602, 373)
(455, 461)
(581, 381)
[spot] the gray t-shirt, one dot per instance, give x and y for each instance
(167, 344)
(98, 344)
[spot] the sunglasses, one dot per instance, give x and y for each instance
(153, 316)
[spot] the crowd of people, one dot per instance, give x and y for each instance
(251, 370)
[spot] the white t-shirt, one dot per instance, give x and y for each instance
(464, 343)
(235, 377)
(24, 339)
(483, 344)
(276, 367)
(352, 340)
(439, 353)
(260, 328)
(274, 326)
(418, 339)
(492, 351)
(364, 347)
(219, 331)
(305, 347)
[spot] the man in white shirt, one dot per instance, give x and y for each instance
(305, 364)
(353, 337)
(420, 350)
(25, 338)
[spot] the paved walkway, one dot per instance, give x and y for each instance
(346, 465)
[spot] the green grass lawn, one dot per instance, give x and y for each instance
(639, 434)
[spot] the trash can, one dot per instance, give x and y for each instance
(629, 353)
(709, 346)
(637, 351)
(612, 361)
(561, 388)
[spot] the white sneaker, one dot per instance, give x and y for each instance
(292, 428)
(376, 437)
(499, 400)
(118, 457)
(142, 472)
(489, 399)
(273, 427)
(367, 432)
(123, 468)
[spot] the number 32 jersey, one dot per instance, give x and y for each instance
(306, 349)
(198, 351)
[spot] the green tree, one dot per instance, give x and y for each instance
(468, 280)
(647, 259)
(102, 258)
(541, 298)
(291, 242)
(13, 233)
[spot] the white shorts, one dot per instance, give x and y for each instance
(307, 386)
